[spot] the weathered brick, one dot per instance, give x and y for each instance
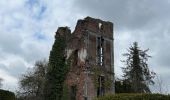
(82, 48)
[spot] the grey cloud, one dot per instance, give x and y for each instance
(14, 69)
(144, 21)
(19, 46)
(130, 14)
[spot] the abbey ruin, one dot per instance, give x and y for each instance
(90, 52)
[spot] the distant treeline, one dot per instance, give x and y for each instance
(6, 95)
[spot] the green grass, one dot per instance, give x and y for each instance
(133, 96)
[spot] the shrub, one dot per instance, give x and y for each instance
(6, 95)
(134, 97)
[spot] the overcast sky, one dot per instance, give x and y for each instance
(27, 29)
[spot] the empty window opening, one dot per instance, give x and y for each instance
(101, 88)
(85, 98)
(100, 51)
(73, 92)
(75, 57)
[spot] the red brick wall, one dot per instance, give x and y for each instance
(85, 35)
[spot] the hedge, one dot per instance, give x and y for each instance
(134, 97)
(6, 95)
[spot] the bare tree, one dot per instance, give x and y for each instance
(32, 83)
(159, 83)
(1, 82)
(160, 87)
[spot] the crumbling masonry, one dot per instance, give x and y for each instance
(90, 54)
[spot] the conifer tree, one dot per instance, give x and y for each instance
(57, 70)
(137, 72)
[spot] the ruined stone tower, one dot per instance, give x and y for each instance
(90, 53)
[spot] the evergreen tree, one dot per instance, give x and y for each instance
(137, 72)
(57, 70)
